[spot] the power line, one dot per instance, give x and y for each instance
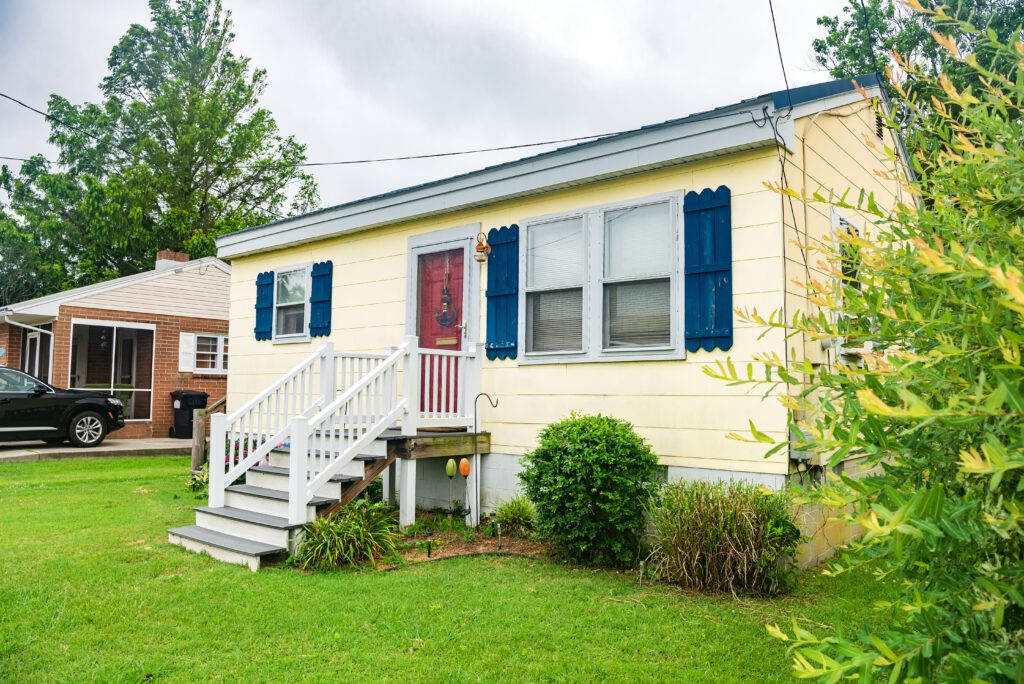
(782, 63)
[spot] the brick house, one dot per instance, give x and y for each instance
(140, 337)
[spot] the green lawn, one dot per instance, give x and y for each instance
(91, 591)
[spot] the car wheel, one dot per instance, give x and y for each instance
(87, 429)
(54, 441)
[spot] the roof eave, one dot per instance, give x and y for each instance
(643, 150)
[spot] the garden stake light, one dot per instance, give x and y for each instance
(464, 470)
(499, 535)
(449, 470)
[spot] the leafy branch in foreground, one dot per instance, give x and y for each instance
(935, 409)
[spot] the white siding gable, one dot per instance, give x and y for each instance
(200, 292)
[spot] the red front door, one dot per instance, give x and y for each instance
(439, 324)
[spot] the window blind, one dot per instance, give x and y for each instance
(638, 241)
(637, 314)
(554, 320)
(554, 254)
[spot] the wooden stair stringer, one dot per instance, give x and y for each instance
(373, 469)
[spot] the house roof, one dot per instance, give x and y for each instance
(50, 304)
(728, 128)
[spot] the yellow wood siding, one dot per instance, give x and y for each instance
(685, 414)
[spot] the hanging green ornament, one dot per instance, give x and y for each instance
(450, 468)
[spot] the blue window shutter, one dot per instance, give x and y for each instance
(322, 278)
(707, 243)
(264, 306)
(503, 293)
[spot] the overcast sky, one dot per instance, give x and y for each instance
(357, 79)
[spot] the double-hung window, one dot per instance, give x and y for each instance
(555, 270)
(211, 354)
(291, 298)
(602, 283)
(637, 283)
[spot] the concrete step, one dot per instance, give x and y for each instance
(268, 501)
(225, 547)
(238, 522)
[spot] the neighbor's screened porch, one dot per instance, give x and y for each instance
(116, 357)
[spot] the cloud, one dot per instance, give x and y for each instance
(368, 79)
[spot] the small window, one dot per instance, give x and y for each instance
(290, 300)
(638, 258)
(211, 354)
(849, 254)
(555, 259)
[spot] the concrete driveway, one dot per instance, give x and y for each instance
(13, 452)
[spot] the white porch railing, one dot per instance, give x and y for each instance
(352, 366)
(322, 445)
(333, 405)
(449, 382)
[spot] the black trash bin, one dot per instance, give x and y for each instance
(184, 403)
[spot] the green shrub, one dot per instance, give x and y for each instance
(724, 536)
(590, 479)
(360, 532)
(935, 410)
(516, 516)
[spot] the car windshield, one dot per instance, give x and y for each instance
(13, 381)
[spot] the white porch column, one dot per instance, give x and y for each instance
(297, 466)
(407, 506)
(411, 391)
(218, 456)
(388, 478)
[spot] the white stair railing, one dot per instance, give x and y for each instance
(354, 365)
(239, 440)
(323, 444)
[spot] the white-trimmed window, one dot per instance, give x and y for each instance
(603, 283)
(203, 353)
(555, 258)
(211, 354)
(291, 303)
(637, 284)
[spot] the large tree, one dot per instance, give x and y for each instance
(177, 152)
(864, 36)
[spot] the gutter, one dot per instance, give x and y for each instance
(5, 317)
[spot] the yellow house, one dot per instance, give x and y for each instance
(600, 277)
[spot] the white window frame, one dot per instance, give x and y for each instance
(276, 337)
(593, 286)
(525, 290)
(219, 368)
(116, 325)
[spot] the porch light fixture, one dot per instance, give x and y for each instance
(482, 249)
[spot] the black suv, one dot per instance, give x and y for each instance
(30, 409)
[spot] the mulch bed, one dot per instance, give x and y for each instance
(452, 545)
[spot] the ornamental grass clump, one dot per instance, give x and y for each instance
(361, 532)
(590, 478)
(516, 516)
(724, 537)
